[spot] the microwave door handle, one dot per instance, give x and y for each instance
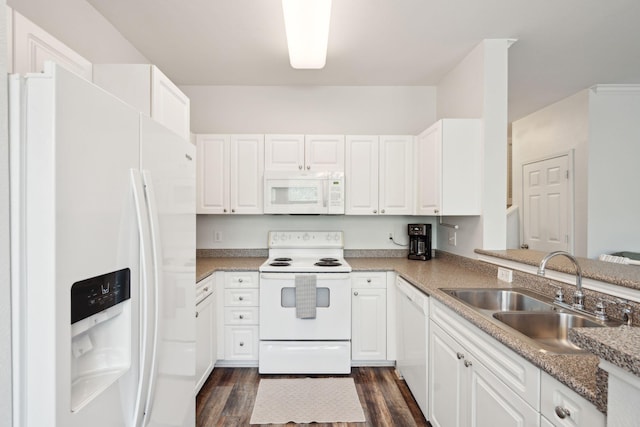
(325, 190)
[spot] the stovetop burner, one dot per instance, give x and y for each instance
(328, 259)
(328, 263)
(283, 259)
(280, 264)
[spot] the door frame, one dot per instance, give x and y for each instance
(570, 194)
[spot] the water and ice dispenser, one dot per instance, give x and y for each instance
(100, 334)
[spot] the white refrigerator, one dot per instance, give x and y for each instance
(103, 259)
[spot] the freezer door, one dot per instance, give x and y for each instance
(168, 169)
(78, 224)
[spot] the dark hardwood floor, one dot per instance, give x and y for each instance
(227, 398)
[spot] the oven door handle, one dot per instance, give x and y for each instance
(291, 276)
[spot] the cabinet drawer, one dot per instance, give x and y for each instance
(241, 342)
(204, 288)
(241, 315)
(564, 407)
(373, 280)
(241, 279)
(241, 297)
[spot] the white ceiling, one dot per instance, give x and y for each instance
(563, 45)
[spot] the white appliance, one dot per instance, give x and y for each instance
(303, 192)
(317, 345)
(103, 259)
(413, 338)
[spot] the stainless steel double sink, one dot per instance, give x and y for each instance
(535, 317)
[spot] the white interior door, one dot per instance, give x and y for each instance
(546, 204)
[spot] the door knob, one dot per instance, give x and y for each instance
(460, 356)
(562, 413)
(467, 363)
(524, 246)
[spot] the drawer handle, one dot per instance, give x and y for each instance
(197, 314)
(460, 356)
(241, 344)
(240, 298)
(368, 280)
(355, 293)
(206, 289)
(240, 280)
(467, 363)
(241, 316)
(562, 413)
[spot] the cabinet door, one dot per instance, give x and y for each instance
(32, 46)
(368, 324)
(169, 105)
(492, 403)
(428, 164)
(448, 380)
(204, 341)
(246, 174)
(361, 175)
(324, 153)
(284, 152)
(212, 180)
(396, 175)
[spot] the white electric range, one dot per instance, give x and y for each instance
(317, 345)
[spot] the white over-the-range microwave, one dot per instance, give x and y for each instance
(303, 192)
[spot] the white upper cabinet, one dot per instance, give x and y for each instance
(396, 175)
(284, 152)
(324, 153)
(229, 174)
(212, 174)
(361, 175)
(379, 175)
(448, 162)
(246, 174)
(316, 153)
(148, 90)
(29, 46)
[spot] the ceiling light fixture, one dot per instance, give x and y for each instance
(307, 26)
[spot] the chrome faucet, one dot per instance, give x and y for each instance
(578, 296)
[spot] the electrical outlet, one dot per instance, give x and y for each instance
(217, 236)
(453, 237)
(505, 275)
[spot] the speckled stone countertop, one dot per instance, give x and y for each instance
(580, 372)
(618, 274)
(620, 346)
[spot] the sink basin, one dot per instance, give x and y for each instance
(500, 299)
(550, 329)
(545, 324)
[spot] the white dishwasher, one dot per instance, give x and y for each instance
(412, 335)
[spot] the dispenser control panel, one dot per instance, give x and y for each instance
(91, 296)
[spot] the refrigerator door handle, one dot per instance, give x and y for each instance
(147, 305)
(156, 250)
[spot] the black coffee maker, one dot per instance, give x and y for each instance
(420, 241)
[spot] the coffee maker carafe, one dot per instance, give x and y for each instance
(420, 241)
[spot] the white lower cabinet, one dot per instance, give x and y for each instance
(241, 317)
(368, 317)
(563, 407)
(476, 381)
(205, 330)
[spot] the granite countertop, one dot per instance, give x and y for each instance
(579, 372)
(619, 274)
(620, 346)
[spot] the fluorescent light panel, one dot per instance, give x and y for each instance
(307, 26)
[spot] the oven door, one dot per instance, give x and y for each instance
(278, 319)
